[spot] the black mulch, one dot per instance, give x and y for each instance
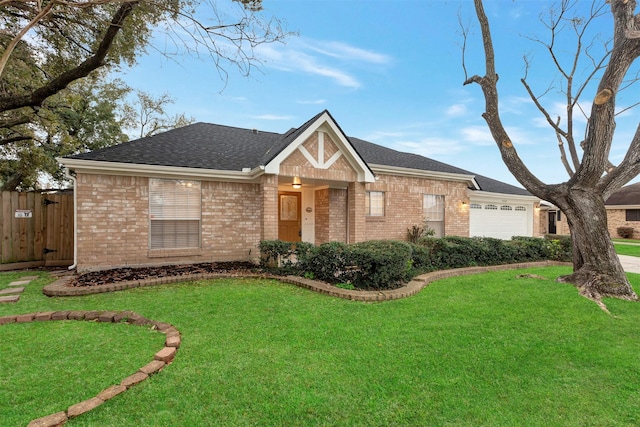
(116, 275)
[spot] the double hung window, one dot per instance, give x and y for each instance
(374, 203)
(433, 211)
(174, 213)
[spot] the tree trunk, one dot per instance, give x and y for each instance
(597, 271)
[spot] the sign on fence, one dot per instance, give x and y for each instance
(24, 213)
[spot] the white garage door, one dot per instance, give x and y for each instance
(499, 221)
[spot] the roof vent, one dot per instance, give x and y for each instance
(255, 131)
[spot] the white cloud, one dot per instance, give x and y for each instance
(456, 110)
(347, 52)
(293, 60)
(477, 135)
(331, 59)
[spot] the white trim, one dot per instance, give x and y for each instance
(500, 197)
(307, 155)
(396, 170)
(132, 169)
(68, 174)
(352, 156)
(618, 207)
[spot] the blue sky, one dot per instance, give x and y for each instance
(390, 72)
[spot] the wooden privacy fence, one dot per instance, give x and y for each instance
(37, 229)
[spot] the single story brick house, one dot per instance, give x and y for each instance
(207, 192)
(623, 210)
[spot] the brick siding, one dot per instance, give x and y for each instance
(618, 218)
(113, 224)
(403, 206)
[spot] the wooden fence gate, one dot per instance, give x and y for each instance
(36, 229)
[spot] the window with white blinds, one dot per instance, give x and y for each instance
(174, 213)
(374, 203)
(433, 211)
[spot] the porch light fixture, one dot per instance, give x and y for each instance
(296, 182)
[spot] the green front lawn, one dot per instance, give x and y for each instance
(488, 349)
(631, 250)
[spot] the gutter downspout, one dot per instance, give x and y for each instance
(71, 175)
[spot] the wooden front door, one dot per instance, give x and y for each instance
(289, 217)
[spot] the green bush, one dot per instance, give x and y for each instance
(283, 257)
(379, 264)
(561, 247)
(328, 262)
(531, 248)
(456, 252)
(386, 264)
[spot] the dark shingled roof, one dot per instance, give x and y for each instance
(628, 195)
(218, 147)
(200, 145)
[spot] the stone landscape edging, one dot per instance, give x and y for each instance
(60, 287)
(160, 359)
(173, 340)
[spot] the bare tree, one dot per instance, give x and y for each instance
(592, 177)
(148, 116)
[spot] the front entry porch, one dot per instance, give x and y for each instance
(318, 211)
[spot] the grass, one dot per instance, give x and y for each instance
(631, 250)
(626, 241)
(488, 349)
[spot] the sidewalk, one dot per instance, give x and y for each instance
(631, 264)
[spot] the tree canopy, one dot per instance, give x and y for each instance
(56, 56)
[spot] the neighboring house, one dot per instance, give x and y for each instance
(623, 210)
(552, 220)
(207, 192)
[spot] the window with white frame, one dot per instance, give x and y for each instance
(374, 203)
(433, 211)
(174, 213)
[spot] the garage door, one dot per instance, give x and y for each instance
(499, 221)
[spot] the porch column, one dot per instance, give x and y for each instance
(356, 207)
(269, 194)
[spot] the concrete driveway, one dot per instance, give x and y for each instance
(631, 264)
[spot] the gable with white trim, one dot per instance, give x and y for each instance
(322, 151)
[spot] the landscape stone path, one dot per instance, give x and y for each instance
(14, 289)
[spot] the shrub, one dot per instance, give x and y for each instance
(416, 232)
(625, 232)
(561, 247)
(327, 262)
(530, 248)
(421, 258)
(283, 257)
(379, 264)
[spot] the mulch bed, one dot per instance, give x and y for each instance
(116, 275)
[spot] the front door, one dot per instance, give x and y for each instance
(289, 217)
(552, 222)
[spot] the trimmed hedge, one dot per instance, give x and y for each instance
(380, 264)
(387, 264)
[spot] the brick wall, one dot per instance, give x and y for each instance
(113, 223)
(322, 216)
(403, 206)
(618, 218)
(562, 227)
(338, 215)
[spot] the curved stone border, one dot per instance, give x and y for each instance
(60, 288)
(160, 359)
